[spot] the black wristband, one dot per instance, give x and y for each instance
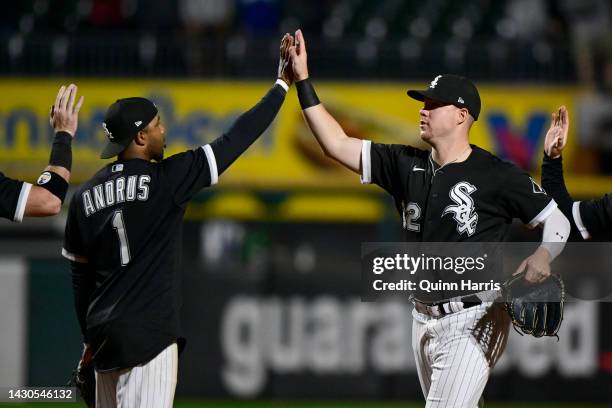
(306, 94)
(61, 151)
(54, 183)
(551, 159)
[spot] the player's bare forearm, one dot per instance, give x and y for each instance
(536, 266)
(59, 170)
(335, 143)
(42, 203)
(543, 255)
(330, 135)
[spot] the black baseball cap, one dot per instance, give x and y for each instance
(123, 120)
(452, 89)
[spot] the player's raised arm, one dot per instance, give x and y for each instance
(334, 142)
(252, 123)
(47, 196)
(552, 168)
(20, 198)
(586, 217)
(195, 169)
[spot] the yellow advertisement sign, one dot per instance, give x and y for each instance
(512, 124)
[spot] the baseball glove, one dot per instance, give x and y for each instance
(84, 379)
(535, 309)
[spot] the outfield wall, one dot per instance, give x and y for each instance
(273, 311)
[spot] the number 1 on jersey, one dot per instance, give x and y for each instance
(124, 245)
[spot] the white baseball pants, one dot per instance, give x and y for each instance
(150, 385)
(451, 365)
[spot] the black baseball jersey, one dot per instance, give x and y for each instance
(13, 198)
(590, 219)
(474, 200)
(123, 235)
(594, 218)
(125, 224)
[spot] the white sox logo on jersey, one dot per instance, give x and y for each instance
(463, 212)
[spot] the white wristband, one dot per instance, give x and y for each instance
(283, 84)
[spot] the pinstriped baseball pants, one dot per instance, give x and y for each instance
(150, 385)
(451, 365)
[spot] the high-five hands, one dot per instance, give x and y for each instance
(299, 60)
(556, 137)
(64, 115)
(284, 66)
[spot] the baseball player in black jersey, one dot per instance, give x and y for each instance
(455, 192)
(590, 219)
(123, 236)
(20, 199)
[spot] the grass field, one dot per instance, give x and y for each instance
(294, 404)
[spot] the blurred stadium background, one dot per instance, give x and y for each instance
(271, 261)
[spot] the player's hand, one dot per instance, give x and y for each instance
(536, 265)
(556, 137)
(285, 72)
(299, 60)
(64, 115)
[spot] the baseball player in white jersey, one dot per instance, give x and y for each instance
(455, 192)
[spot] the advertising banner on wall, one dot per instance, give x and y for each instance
(275, 312)
(287, 319)
(512, 124)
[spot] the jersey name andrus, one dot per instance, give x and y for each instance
(113, 192)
